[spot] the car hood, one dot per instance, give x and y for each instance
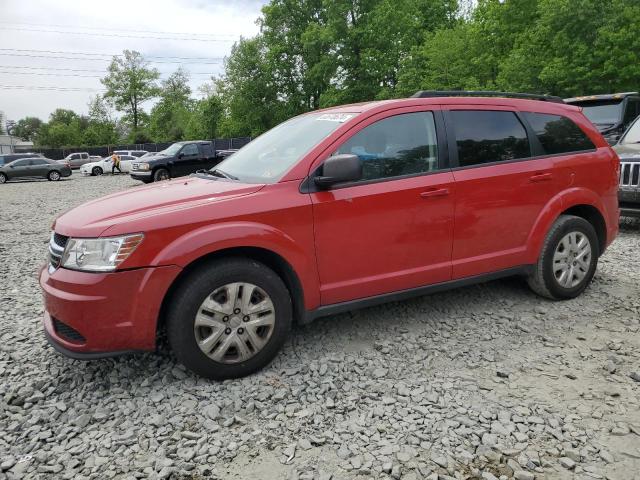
(93, 218)
(88, 166)
(628, 150)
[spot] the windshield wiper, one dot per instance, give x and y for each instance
(216, 172)
(219, 173)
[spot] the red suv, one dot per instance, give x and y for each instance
(331, 211)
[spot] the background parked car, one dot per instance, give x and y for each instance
(181, 158)
(611, 113)
(10, 157)
(628, 149)
(104, 165)
(37, 167)
(134, 153)
(76, 160)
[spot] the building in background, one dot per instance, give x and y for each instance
(8, 143)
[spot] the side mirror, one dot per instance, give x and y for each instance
(181, 155)
(339, 169)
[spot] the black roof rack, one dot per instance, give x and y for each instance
(479, 93)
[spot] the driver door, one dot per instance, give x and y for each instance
(186, 161)
(392, 230)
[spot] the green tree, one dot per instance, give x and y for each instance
(101, 128)
(27, 128)
(129, 83)
(249, 92)
(205, 119)
(170, 116)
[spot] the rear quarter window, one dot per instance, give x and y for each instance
(487, 136)
(558, 134)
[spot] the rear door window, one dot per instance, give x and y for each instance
(190, 150)
(36, 161)
(558, 134)
(488, 136)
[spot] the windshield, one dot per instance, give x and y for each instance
(633, 134)
(267, 158)
(171, 150)
(602, 112)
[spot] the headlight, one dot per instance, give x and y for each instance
(99, 254)
(143, 166)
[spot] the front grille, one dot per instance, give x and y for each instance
(66, 332)
(56, 248)
(630, 174)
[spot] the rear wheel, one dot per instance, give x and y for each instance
(161, 174)
(3, 178)
(97, 171)
(568, 260)
(229, 318)
(53, 176)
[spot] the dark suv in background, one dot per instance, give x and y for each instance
(180, 159)
(628, 149)
(611, 114)
(10, 157)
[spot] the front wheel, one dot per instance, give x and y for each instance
(53, 176)
(568, 260)
(229, 318)
(3, 178)
(97, 171)
(161, 174)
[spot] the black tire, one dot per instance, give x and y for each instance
(198, 286)
(543, 279)
(161, 174)
(54, 176)
(147, 180)
(96, 171)
(3, 178)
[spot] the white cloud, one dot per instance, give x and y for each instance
(109, 23)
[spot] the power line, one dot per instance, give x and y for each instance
(118, 29)
(105, 54)
(86, 70)
(57, 57)
(81, 76)
(50, 88)
(110, 35)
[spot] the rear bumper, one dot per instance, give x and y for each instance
(107, 314)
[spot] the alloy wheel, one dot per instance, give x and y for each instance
(55, 176)
(572, 259)
(234, 322)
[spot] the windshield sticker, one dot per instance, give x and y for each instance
(336, 117)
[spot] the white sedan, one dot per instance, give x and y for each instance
(104, 165)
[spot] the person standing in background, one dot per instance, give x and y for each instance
(116, 163)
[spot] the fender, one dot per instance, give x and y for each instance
(552, 210)
(212, 238)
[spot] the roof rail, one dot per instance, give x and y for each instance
(479, 93)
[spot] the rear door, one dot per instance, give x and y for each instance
(38, 167)
(502, 186)
(392, 230)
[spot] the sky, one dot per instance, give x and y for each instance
(53, 53)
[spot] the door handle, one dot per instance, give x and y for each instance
(541, 177)
(436, 192)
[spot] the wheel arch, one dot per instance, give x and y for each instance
(580, 202)
(271, 259)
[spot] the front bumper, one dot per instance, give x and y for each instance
(107, 313)
(140, 174)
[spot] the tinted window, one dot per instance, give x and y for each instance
(602, 112)
(400, 145)
(489, 136)
(36, 161)
(631, 112)
(558, 134)
(20, 163)
(191, 149)
(127, 157)
(207, 149)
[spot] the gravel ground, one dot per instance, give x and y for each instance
(484, 382)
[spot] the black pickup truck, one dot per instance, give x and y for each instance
(628, 149)
(178, 160)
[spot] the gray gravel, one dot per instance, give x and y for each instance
(483, 382)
